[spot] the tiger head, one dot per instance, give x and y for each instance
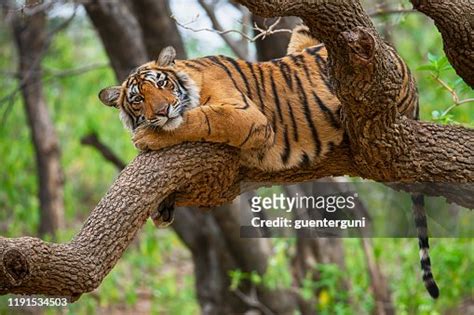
(155, 94)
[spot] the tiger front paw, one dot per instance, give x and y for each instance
(146, 139)
(141, 139)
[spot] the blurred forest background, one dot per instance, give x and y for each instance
(60, 149)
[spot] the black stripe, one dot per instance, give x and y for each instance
(206, 101)
(248, 135)
(331, 146)
(216, 61)
(298, 60)
(192, 66)
(423, 242)
(327, 112)
(425, 263)
(308, 116)
(427, 276)
(293, 121)
(304, 160)
(200, 62)
(207, 122)
(400, 62)
(237, 67)
(323, 71)
(276, 98)
(418, 199)
(402, 104)
(274, 125)
(420, 221)
(285, 72)
(306, 71)
(262, 78)
(285, 155)
(257, 85)
(315, 49)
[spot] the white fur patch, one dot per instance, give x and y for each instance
(192, 88)
(173, 123)
(127, 122)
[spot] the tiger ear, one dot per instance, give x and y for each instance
(166, 57)
(110, 96)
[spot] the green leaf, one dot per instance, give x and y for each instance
(427, 68)
(255, 278)
(236, 277)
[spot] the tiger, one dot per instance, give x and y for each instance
(281, 113)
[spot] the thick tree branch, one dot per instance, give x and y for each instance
(202, 174)
(455, 21)
(29, 265)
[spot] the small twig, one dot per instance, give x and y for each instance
(252, 300)
(454, 95)
(262, 33)
(238, 50)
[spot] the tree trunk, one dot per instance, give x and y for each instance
(31, 39)
(120, 33)
(158, 29)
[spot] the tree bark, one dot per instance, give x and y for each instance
(384, 146)
(455, 21)
(31, 39)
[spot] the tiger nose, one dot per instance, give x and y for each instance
(163, 111)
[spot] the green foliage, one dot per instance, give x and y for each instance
(423, 51)
(277, 275)
(438, 66)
